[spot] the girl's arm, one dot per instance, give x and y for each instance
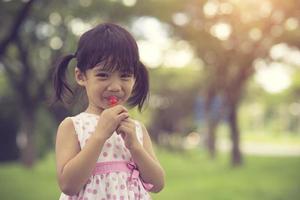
(148, 165)
(74, 166)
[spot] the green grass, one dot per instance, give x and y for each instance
(18, 183)
(190, 176)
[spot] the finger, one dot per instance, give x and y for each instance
(129, 121)
(121, 132)
(119, 109)
(127, 124)
(122, 129)
(121, 117)
(127, 129)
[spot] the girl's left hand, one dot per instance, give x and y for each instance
(127, 129)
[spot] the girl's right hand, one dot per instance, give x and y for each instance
(109, 121)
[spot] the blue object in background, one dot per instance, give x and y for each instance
(216, 108)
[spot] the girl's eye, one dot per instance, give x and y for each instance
(126, 76)
(103, 75)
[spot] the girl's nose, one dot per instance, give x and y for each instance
(114, 86)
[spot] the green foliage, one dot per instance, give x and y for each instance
(271, 113)
(173, 92)
(45, 132)
(9, 124)
(175, 79)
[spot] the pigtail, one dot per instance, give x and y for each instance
(141, 87)
(59, 78)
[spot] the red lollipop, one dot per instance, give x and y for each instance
(113, 101)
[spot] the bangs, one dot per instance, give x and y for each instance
(110, 46)
(112, 64)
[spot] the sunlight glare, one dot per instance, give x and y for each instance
(279, 51)
(129, 3)
(150, 54)
(180, 19)
(153, 42)
(285, 53)
(180, 56)
(151, 29)
(56, 43)
(55, 19)
(78, 27)
(265, 9)
(221, 30)
(291, 24)
(210, 9)
(44, 30)
(273, 78)
(294, 57)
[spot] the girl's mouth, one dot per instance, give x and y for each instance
(113, 100)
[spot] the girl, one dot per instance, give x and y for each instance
(102, 153)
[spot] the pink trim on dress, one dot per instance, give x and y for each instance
(121, 166)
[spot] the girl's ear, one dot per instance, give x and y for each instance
(80, 77)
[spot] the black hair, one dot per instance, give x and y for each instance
(113, 46)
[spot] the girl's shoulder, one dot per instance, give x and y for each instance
(66, 129)
(70, 121)
(83, 122)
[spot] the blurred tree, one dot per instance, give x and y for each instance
(8, 127)
(19, 73)
(34, 35)
(229, 36)
(173, 99)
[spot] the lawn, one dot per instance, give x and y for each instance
(190, 176)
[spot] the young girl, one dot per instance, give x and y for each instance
(102, 153)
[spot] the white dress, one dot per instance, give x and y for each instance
(113, 178)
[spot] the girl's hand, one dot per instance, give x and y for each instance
(109, 120)
(127, 129)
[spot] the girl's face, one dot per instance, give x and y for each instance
(101, 85)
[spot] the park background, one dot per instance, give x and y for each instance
(224, 109)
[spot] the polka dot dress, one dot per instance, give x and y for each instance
(113, 185)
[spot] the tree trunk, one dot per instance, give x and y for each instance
(211, 137)
(236, 157)
(211, 127)
(26, 139)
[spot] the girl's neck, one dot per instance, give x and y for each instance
(94, 110)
